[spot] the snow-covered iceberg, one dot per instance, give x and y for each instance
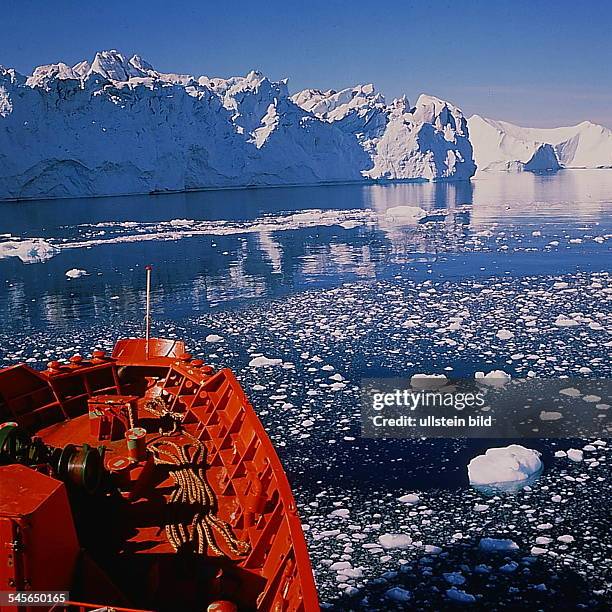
(506, 469)
(427, 141)
(117, 126)
(499, 145)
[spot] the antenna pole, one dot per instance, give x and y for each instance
(148, 313)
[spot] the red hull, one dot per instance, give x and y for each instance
(158, 482)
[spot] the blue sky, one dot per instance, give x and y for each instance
(537, 63)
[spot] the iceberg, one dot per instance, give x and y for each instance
(116, 125)
(507, 469)
(499, 145)
(427, 141)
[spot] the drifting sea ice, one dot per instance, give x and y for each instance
(76, 273)
(505, 469)
(34, 250)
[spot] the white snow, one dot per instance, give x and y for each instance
(499, 145)
(510, 465)
(115, 125)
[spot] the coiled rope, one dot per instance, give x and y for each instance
(191, 488)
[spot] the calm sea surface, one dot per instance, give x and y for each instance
(214, 249)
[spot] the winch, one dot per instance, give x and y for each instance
(77, 465)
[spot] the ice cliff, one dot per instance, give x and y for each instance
(116, 125)
(499, 145)
(429, 140)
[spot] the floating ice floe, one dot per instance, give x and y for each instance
(428, 381)
(570, 392)
(455, 578)
(395, 540)
(563, 321)
(398, 594)
(565, 539)
(575, 455)
(214, 338)
(411, 499)
(495, 378)
(76, 273)
(460, 596)
(507, 469)
(405, 214)
(34, 250)
(505, 334)
(497, 545)
(550, 415)
(263, 361)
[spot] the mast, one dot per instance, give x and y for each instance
(148, 268)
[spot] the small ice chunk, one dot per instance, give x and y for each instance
(504, 334)
(497, 545)
(508, 568)
(411, 499)
(455, 578)
(214, 338)
(398, 594)
(575, 455)
(563, 321)
(341, 512)
(550, 415)
(263, 361)
(495, 378)
(428, 381)
(340, 565)
(566, 539)
(461, 596)
(395, 540)
(430, 549)
(76, 273)
(408, 215)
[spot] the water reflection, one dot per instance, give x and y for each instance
(204, 271)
